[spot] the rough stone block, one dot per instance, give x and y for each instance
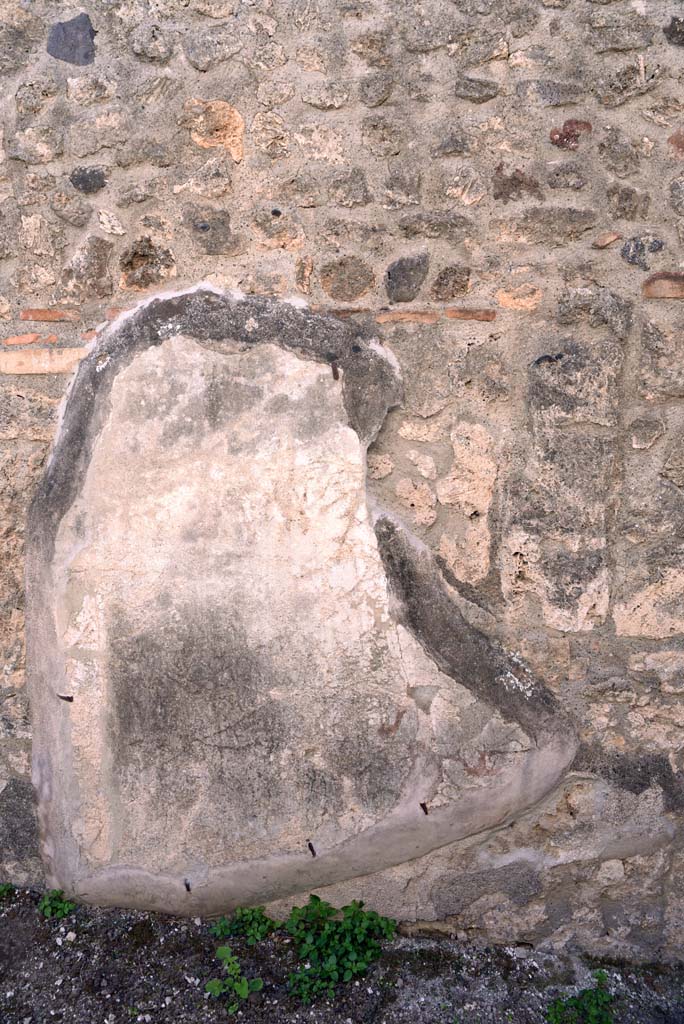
(228, 707)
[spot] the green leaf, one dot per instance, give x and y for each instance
(214, 987)
(256, 985)
(241, 988)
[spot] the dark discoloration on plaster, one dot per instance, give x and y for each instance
(520, 882)
(633, 772)
(460, 650)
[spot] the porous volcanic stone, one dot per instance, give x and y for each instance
(88, 179)
(347, 279)
(404, 277)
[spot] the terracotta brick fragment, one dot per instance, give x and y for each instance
(676, 141)
(29, 339)
(344, 314)
(457, 313)
(411, 316)
(603, 241)
(665, 285)
(21, 339)
(41, 360)
(53, 314)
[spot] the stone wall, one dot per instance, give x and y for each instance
(494, 191)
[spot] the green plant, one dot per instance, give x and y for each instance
(53, 904)
(234, 984)
(334, 948)
(251, 922)
(590, 1006)
(7, 891)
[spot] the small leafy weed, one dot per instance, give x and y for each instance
(590, 1006)
(233, 985)
(250, 922)
(7, 891)
(333, 948)
(53, 904)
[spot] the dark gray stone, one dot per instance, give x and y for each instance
(375, 89)
(674, 32)
(507, 187)
(617, 32)
(677, 196)
(600, 306)
(450, 282)
(621, 85)
(549, 93)
(555, 225)
(19, 835)
(567, 175)
(87, 276)
(88, 179)
(211, 230)
(350, 188)
(404, 277)
(575, 382)
(73, 41)
(476, 90)
(619, 153)
(454, 143)
(145, 263)
(454, 227)
(625, 203)
(635, 250)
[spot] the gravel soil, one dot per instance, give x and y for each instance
(112, 966)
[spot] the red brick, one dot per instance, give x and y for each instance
(411, 316)
(29, 339)
(52, 314)
(457, 313)
(665, 285)
(603, 241)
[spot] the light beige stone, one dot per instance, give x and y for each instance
(215, 123)
(419, 500)
(41, 360)
(655, 611)
(468, 489)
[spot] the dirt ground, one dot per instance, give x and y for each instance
(111, 967)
